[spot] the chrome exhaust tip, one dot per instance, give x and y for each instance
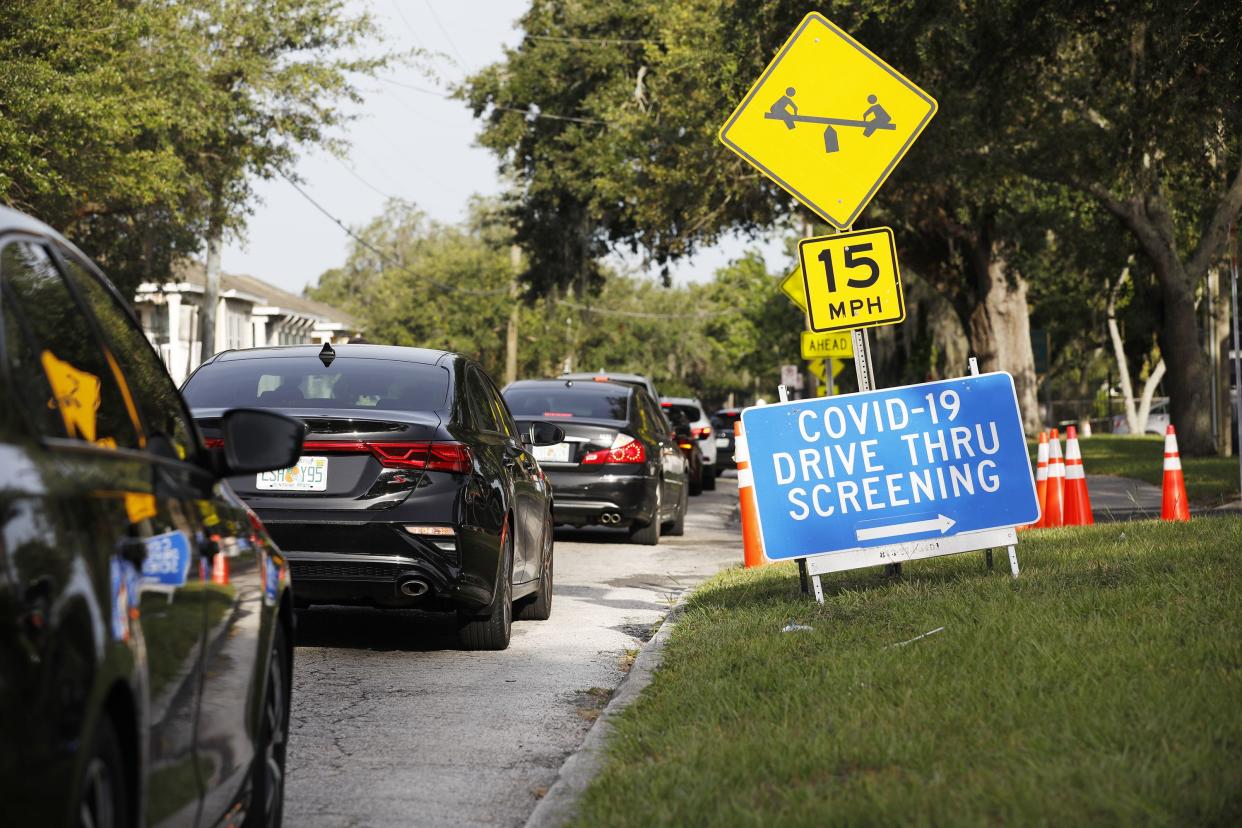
(610, 518)
(413, 588)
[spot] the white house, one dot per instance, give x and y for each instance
(251, 313)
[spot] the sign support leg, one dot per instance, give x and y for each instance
(803, 582)
(1013, 561)
(988, 557)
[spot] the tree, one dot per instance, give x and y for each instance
(1146, 99)
(90, 119)
(272, 80)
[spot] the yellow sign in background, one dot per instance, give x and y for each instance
(852, 280)
(828, 120)
(827, 345)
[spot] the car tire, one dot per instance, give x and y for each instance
(102, 802)
(538, 607)
(678, 527)
(649, 535)
(267, 792)
(493, 631)
(709, 477)
(695, 481)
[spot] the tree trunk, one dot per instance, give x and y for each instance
(1221, 341)
(1189, 394)
(1000, 329)
(211, 290)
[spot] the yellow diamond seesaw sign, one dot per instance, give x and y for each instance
(828, 120)
(852, 280)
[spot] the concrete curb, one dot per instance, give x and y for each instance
(559, 805)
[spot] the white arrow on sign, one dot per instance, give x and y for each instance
(941, 523)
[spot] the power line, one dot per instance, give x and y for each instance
(533, 112)
(444, 32)
(384, 256)
(645, 314)
(590, 40)
(364, 182)
(396, 6)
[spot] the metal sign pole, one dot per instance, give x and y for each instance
(1237, 350)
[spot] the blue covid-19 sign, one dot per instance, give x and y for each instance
(885, 467)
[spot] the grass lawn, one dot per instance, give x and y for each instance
(1210, 481)
(1103, 686)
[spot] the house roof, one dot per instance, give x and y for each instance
(194, 273)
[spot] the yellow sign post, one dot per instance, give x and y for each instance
(828, 120)
(852, 280)
(827, 345)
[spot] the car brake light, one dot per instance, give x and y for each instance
(625, 449)
(433, 456)
(213, 442)
(705, 431)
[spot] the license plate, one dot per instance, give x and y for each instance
(558, 453)
(722, 442)
(309, 475)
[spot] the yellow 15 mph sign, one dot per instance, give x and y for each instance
(828, 120)
(851, 280)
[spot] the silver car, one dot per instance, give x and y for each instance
(703, 433)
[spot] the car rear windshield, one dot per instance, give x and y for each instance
(587, 400)
(691, 412)
(304, 382)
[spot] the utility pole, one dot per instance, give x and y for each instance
(511, 336)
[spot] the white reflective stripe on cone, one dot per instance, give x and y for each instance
(740, 453)
(1073, 471)
(745, 478)
(1172, 462)
(1170, 444)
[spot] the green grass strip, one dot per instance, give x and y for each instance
(1100, 687)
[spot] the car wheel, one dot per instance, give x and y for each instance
(695, 479)
(649, 535)
(492, 632)
(709, 478)
(539, 606)
(267, 797)
(101, 794)
(678, 527)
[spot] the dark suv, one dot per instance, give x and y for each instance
(145, 616)
(416, 488)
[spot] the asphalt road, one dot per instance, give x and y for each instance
(393, 726)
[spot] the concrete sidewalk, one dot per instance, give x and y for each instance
(1123, 498)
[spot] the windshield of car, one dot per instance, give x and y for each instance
(588, 400)
(304, 382)
(690, 412)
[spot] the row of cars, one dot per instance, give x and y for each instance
(155, 541)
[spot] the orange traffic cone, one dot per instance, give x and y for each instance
(219, 569)
(1174, 505)
(1041, 479)
(1054, 499)
(752, 543)
(1077, 498)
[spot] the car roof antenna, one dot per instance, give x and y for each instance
(327, 354)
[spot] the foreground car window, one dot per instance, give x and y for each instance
(304, 382)
(594, 401)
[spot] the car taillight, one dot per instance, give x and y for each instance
(214, 442)
(686, 446)
(433, 456)
(705, 431)
(625, 449)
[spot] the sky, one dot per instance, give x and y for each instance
(410, 142)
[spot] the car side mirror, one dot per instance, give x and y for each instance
(258, 441)
(544, 434)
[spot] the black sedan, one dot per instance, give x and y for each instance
(619, 465)
(145, 617)
(415, 488)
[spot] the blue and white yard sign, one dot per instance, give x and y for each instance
(893, 466)
(168, 561)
